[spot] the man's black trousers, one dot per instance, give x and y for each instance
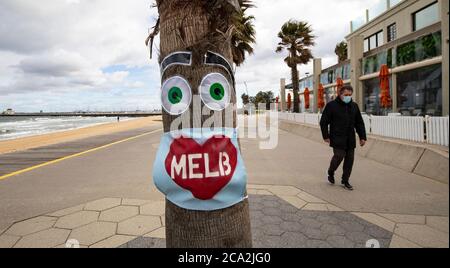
(348, 156)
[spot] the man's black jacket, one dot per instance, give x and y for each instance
(343, 119)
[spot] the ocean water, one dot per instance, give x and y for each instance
(13, 127)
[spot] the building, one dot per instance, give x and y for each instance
(411, 37)
(8, 112)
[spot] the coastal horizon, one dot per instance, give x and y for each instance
(237, 125)
(67, 132)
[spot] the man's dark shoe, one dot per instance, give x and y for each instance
(331, 179)
(347, 186)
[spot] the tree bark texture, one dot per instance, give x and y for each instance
(188, 26)
(295, 88)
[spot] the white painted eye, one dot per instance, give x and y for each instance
(176, 95)
(215, 91)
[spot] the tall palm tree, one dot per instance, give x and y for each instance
(244, 36)
(200, 26)
(297, 39)
(341, 51)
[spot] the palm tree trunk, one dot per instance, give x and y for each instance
(295, 86)
(185, 25)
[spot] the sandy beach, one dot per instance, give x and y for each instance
(25, 143)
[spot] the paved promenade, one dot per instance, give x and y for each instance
(105, 198)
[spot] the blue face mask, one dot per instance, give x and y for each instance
(347, 99)
(201, 169)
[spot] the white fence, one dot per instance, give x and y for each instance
(303, 118)
(400, 127)
(433, 130)
(437, 130)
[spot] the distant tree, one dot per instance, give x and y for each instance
(266, 97)
(269, 99)
(341, 51)
(245, 102)
(297, 38)
(245, 99)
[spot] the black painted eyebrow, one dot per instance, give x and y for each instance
(212, 58)
(176, 58)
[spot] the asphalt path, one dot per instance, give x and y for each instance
(120, 165)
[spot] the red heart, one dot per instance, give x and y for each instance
(202, 169)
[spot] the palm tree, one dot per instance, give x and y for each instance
(297, 38)
(244, 36)
(199, 26)
(341, 51)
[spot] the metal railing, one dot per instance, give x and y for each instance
(432, 130)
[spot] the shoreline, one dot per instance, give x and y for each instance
(25, 143)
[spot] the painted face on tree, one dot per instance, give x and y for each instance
(199, 168)
(214, 89)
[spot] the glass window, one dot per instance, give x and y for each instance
(422, 48)
(338, 73)
(380, 39)
(426, 17)
(324, 79)
(372, 95)
(346, 72)
(392, 32)
(373, 63)
(373, 42)
(420, 91)
(330, 94)
(331, 78)
(366, 45)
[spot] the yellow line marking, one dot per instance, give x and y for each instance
(75, 155)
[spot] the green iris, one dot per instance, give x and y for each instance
(217, 91)
(175, 95)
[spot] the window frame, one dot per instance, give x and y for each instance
(366, 41)
(377, 43)
(389, 30)
(414, 28)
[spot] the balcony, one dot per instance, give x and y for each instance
(381, 7)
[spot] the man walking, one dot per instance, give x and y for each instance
(339, 120)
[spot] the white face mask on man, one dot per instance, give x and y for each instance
(346, 96)
(347, 99)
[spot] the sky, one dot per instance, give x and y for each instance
(70, 55)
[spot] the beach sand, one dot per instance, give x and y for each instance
(25, 143)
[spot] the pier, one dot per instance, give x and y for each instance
(86, 114)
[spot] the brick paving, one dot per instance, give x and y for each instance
(278, 224)
(281, 217)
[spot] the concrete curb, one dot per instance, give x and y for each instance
(414, 158)
(433, 165)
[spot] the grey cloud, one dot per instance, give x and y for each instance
(23, 31)
(102, 33)
(41, 66)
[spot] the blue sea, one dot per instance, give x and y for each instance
(13, 127)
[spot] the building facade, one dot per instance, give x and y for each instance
(411, 38)
(9, 112)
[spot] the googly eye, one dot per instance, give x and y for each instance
(215, 91)
(176, 95)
